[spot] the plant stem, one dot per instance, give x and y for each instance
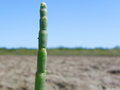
(42, 54)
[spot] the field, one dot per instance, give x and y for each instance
(64, 72)
(64, 51)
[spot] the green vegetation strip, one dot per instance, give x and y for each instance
(63, 51)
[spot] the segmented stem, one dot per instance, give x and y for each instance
(42, 54)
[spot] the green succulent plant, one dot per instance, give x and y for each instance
(42, 53)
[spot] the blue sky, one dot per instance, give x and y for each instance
(72, 23)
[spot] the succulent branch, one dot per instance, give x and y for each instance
(42, 54)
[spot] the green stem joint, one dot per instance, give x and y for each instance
(42, 54)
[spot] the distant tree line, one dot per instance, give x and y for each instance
(63, 48)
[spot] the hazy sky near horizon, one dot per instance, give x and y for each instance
(72, 23)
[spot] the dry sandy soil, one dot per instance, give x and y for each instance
(63, 73)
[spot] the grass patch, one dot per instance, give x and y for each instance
(63, 51)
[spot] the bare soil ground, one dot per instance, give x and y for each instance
(63, 73)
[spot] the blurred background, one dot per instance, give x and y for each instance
(83, 44)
